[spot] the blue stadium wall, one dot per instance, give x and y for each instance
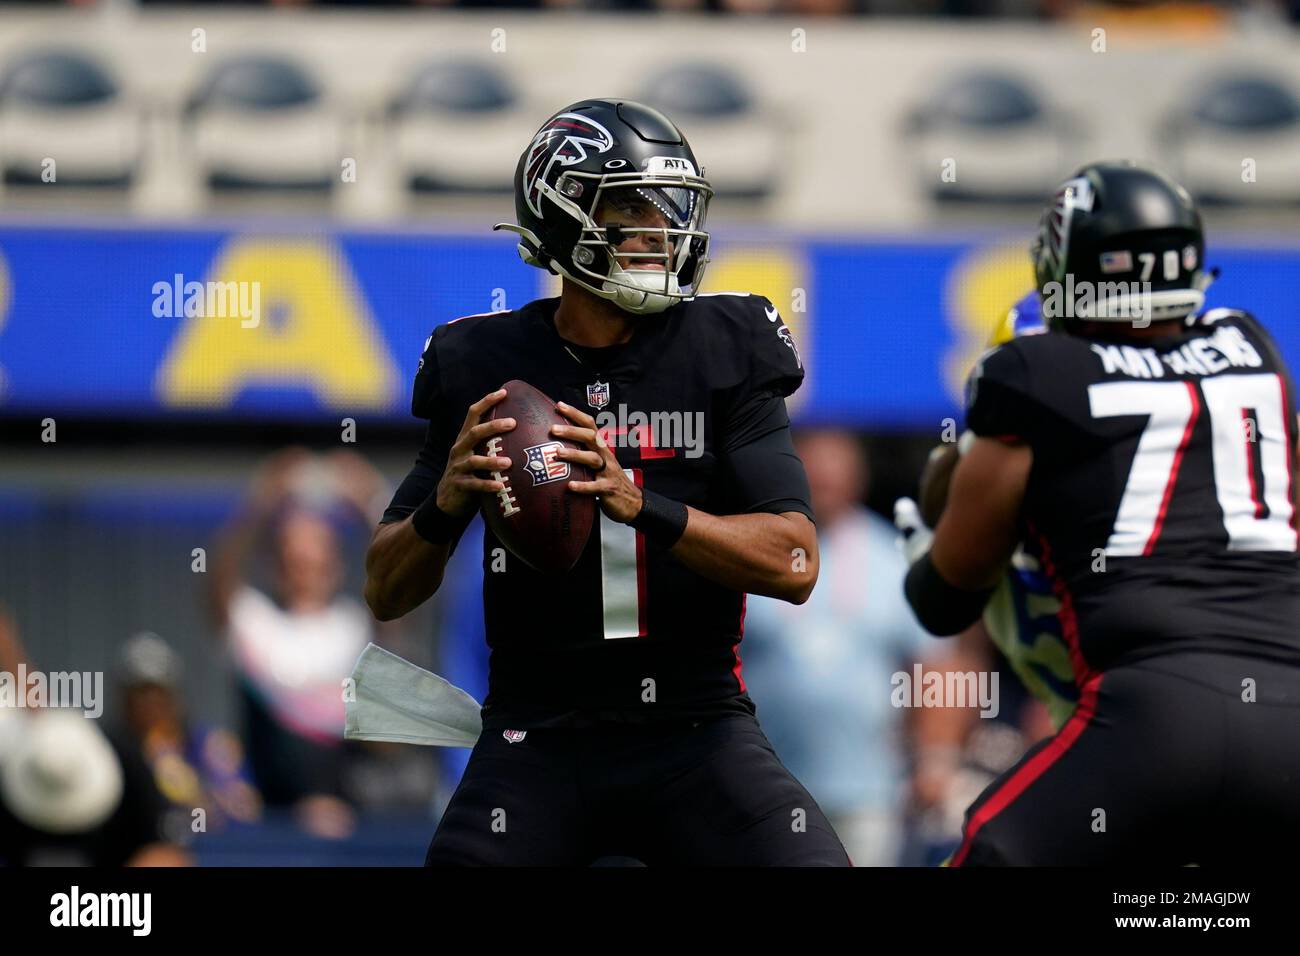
(90, 323)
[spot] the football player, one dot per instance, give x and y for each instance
(1147, 454)
(1021, 617)
(616, 721)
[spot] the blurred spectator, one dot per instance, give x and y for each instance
(11, 649)
(391, 778)
(957, 753)
(1165, 16)
(295, 641)
(11, 655)
(194, 766)
(70, 796)
(820, 673)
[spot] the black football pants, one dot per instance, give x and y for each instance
(1180, 759)
(710, 792)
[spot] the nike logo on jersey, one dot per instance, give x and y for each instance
(772, 314)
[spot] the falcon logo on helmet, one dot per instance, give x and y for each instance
(1052, 247)
(564, 140)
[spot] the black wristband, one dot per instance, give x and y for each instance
(432, 523)
(941, 608)
(661, 519)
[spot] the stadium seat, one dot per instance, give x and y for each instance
(719, 115)
(1007, 144)
(262, 121)
(65, 106)
(1237, 117)
(455, 128)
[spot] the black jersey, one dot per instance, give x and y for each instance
(629, 633)
(1161, 492)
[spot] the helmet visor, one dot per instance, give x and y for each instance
(648, 206)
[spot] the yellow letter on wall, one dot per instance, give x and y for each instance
(313, 331)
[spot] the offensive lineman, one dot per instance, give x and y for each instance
(1151, 465)
(616, 720)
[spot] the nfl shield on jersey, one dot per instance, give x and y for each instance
(598, 394)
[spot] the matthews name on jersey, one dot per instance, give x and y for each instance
(630, 633)
(1161, 494)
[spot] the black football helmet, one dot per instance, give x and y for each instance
(1119, 226)
(632, 161)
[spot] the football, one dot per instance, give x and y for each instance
(536, 516)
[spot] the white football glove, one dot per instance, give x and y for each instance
(914, 538)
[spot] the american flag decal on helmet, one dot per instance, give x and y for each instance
(566, 140)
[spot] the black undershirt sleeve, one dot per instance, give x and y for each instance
(762, 470)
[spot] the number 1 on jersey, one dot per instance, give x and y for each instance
(622, 574)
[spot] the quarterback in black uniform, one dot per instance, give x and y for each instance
(616, 720)
(1147, 452)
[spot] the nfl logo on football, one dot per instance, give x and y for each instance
(598, 395)
(543, 465)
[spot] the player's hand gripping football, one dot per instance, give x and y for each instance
(619, 498)
(459, 488)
